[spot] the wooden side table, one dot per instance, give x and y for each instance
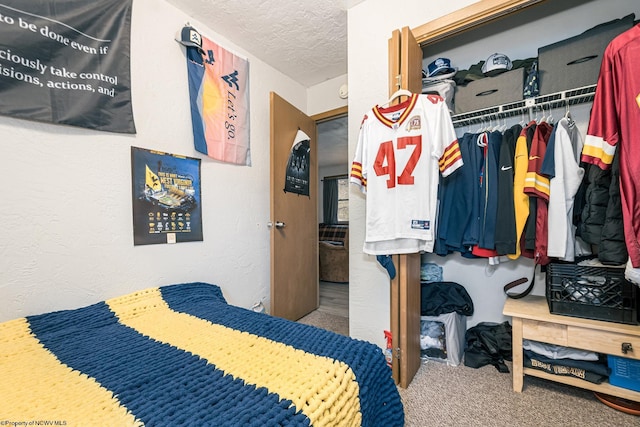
(532, 320)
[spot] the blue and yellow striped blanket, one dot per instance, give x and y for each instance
(180, 355)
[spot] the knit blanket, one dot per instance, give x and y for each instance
(181, 355)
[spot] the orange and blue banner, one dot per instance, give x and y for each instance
(219, 97)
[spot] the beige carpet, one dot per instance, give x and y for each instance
(442, 396)
(321, 319)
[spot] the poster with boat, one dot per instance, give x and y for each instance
(166, 197)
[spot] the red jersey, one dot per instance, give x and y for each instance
(615, 124)
(537, 185)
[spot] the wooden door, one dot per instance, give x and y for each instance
(294, 218)
(405, 72)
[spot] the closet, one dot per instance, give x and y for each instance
(407, 48)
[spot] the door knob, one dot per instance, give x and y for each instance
(278, 224)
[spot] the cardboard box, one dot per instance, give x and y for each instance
(575, 62)
(488, 92)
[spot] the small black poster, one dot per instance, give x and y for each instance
(166, 197)
(67, 62)
(297, 175)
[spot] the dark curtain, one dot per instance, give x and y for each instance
(330, 201)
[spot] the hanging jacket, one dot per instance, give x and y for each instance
(505, 236)
(601, 223)
(521, 201)
(565, 176)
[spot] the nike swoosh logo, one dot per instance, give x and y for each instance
(533, 157)
(506, 168)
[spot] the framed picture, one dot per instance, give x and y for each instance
(166, 197)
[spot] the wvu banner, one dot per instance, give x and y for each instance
(67, 62)
(219, 96)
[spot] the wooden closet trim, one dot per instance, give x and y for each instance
(466, 18)
(331, 114)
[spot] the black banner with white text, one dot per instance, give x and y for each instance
(67, 62)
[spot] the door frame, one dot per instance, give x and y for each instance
(331, 114)
(335, 113)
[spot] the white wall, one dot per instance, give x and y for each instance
(67, 222)
(370, 26)
(325, 96)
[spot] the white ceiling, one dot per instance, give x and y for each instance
(304, 39)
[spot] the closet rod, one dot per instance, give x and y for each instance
(530, 105)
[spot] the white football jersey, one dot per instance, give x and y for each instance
(401, 152)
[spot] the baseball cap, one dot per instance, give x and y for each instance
(496, 64)
(189, 36)
(439, 66)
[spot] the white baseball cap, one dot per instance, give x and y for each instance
(496, 64)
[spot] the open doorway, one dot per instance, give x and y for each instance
(333, 216)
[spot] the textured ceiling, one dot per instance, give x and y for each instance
(304, 39)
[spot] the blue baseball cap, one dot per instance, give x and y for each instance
(439, 66)
(190, 37)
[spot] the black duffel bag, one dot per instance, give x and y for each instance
(488, 344)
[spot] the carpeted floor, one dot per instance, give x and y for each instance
(337, 324)
(442, 396)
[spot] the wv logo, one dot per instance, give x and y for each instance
(210, 59)
(232, 79)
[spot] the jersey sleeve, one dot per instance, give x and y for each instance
(548, 167)
(603, 132)
(358, 175)
(535, 183)
(446, 147)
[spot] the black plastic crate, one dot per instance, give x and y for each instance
(599, 293)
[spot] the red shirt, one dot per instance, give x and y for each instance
(615, 124)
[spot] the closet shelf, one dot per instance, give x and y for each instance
(530, 105)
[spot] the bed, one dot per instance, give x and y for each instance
(181, 355)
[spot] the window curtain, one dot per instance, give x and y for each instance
(330, 200)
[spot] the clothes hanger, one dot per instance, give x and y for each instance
(396, 94)
(498, 126)
(504, 125)
(550, 117)
(567, 113)
(488, 126)
(481, 125)
(523, 121)
(543, 118)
